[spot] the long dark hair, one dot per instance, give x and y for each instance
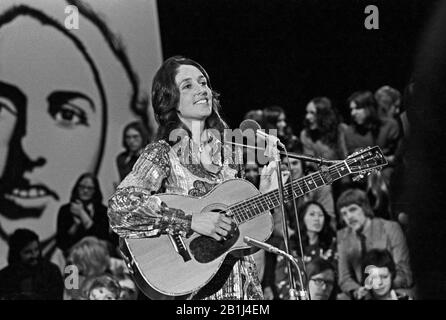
(326, 120)
(138, 126)
(271, 116)
(325, 236)
(166, 96)
(97, 196)
(366, 100)
(19, 240)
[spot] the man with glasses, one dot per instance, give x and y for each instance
(321, 275)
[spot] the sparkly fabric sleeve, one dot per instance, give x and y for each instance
(233, 162)
(134, 211)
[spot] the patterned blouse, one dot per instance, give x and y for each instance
(136, 212)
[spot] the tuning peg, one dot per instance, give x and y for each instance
(354, 154)
(358, 177)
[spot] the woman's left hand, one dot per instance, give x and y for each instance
(268, 175)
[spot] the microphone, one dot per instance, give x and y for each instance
(253, 125)
(262, 245)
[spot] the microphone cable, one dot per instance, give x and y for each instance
(296, 217)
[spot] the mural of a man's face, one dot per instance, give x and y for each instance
(45, 82)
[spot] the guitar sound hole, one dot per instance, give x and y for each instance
(206, 249)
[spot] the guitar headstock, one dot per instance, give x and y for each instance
(366, 161)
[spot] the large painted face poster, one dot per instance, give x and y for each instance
(72, 75)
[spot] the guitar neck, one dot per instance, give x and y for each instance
(252, 207)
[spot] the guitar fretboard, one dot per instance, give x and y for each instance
(252, 207)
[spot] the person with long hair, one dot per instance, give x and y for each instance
(388, 100)
(134, 138)
(28, 275)
(367, 129)
(321, 135)
(85, 214)
(318, 238)
(274, 118)
(318, 241)
(322, 195)
(296, 169)
(188, 158)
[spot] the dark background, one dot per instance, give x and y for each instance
(285, 52)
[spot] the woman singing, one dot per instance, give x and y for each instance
(191, 163)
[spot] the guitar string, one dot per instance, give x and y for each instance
(240, 208)
(240, 211)
(242, 214)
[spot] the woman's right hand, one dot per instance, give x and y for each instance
(211, 224)
(76, 208)
(79, 214)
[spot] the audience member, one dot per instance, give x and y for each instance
(367, 129)
(379, 271)
(318, 241)
(256, 115)
(322, 136)
(85, 215)
(323, 195)
(102, 287)
(388, 102)
(321, 276)
(135, 138)
(251, 167)
(91, 257)
(364, 232)
(28, 276)
(274, 118)
(379, 196)
(318, 238)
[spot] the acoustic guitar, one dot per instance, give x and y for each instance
(170, 266)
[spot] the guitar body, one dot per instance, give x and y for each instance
(169, 266)
(161, 272)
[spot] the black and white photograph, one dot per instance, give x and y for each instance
(247, 150)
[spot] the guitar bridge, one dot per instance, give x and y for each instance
(179, 246)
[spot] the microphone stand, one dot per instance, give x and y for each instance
(293, 291)
(294, 294)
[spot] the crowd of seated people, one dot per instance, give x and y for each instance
(336, 232)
